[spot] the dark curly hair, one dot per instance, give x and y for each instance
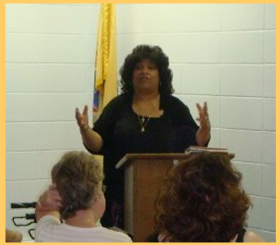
(202, 200)
(156, 55)
(77, 176)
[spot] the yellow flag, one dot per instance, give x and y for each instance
(105, 85)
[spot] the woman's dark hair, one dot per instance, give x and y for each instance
(201, 200)
(156, 55)
(77, 176)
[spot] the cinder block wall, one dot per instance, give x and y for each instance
(220, 53)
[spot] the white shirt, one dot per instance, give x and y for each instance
(49, 229)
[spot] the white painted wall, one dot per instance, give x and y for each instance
(224, 54)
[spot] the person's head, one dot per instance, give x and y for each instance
(158, 64)
(201, 200)
(78, 177)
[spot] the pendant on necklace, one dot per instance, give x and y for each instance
(142, 129)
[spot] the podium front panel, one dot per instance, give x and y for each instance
(142, 180)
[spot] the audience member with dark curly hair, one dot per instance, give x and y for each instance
(202, 200)
(144, 118)
(75, 197)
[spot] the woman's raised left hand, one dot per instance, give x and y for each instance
(203, 134)
(203, 116)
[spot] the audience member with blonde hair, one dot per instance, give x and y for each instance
(75, 197)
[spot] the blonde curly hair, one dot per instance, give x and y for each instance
(77, 176)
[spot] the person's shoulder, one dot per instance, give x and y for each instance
(168, 96)
(43, 227)
(250, 236)
(49, 218)
(115, 235)
(119, 100)
(171, 98)
(174, 104)
(47, 221)
(121, 97)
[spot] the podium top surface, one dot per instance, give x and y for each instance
(132, 156)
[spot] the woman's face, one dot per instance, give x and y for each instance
(145, 76)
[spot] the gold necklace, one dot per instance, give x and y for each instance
(143, 122)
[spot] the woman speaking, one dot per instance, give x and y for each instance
(144, 118)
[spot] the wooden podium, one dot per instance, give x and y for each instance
(143, 173)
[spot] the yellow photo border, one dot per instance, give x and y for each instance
(2, 88)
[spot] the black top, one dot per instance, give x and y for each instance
(154, 237)
(240, 237)
(120, 129)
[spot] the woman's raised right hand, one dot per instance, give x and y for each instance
(82, 119)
